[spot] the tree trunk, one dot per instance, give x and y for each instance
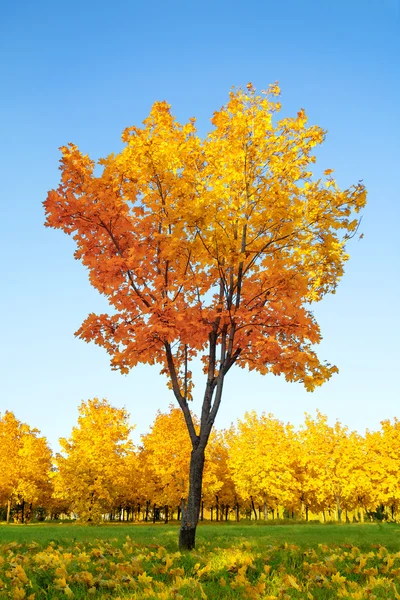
(254, 508)
(166, 513)
(339, 510)
(147, 510)
(8, 510)
(190, 515)
(216, 509)
(265, 510)
(202, 511)
(237, 512)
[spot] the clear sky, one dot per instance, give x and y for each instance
(82, 72)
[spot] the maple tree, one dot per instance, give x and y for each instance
(383, 468)
(209, 248)
(166, 450)
(218, 486)
(27, 458)
(90, 463)
(261, 462)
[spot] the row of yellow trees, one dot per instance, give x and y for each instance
(260, 467)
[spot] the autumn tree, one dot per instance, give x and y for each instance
(218, 487)
(209, 248)
(26, 458)
(90, 463)
(167, 454)
(261, 462)
(383, 451)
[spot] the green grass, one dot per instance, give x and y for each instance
(221, 534)
(54, 561)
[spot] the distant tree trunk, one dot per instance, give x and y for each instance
(23, 511)
(166, 514)
(154, 513)
(265, 510)
(8, 510)
(306, 513)
(254, 508)
(216, 509)
(211, 512)
(339, 510)
(147, 510)
(202, 511)
(191, 512)
(237, 512)
(226, 512)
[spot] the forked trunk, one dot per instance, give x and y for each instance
(190, 515)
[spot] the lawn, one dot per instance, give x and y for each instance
(245, 560)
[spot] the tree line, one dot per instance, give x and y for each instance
(259, 468)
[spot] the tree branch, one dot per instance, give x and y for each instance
(181, 400)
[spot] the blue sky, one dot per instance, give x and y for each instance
(82, 72)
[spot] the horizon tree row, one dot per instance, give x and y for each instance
(258, 468)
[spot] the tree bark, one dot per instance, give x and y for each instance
(190, 514)
(254, 508)
(8, 510)
(339, 509)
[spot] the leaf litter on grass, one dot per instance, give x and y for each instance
(109, 569)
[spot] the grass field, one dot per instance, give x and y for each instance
(245, 560)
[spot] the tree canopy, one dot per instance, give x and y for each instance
(212, 248)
